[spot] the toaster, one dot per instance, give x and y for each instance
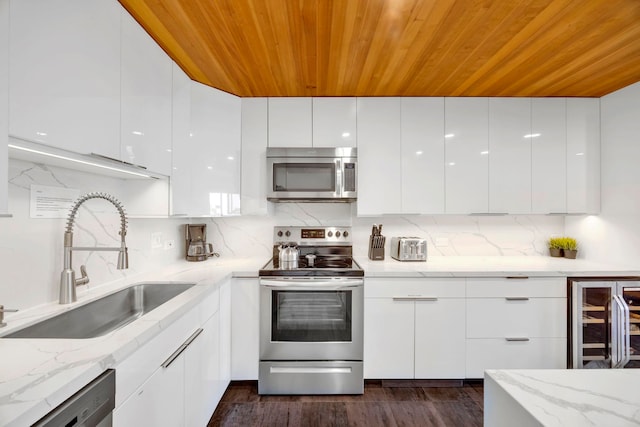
(409, 248)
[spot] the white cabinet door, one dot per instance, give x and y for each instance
(215, 157)
(182, 144)
(158, 402)
(254, 156)
(440, 339)
(290, 122)
(379, 156)
(548, 155)
(146, 84)
(64, 69)
(202, 374)
(422, 130)
(334, 122)
(4, 104)
(388, 338)
(510, 155)
(583, 155)
(466, 155)
(245, 308)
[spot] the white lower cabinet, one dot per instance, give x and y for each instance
(245, 321)
(178, 378)
(414, 328)
(518, 323)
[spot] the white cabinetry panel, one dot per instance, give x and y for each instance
(510, 155)
(290, 122)
(334, 122)
(583, 155)
(422, 132)
(182, 144)
(548, 155)
(245, 307)
(254, 156)
(466, 155)
(4, 103)
(389, 338)
(146, 82)
(379, 156)
(64, 69)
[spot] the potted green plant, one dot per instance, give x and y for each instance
(555, 246)
(569, 247)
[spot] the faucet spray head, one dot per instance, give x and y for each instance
(123, 259)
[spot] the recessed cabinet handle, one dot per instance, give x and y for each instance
(517, 277)
(182, 348)
(516, 339)
(414, 298)
(517, 298)
(426, 299)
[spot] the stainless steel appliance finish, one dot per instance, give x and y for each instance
(311, 317)
(408, 249)
(90, 407)
(320, 174)
(605, 323)
(196, 246)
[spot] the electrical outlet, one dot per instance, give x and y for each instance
(169, 244)
(156, 240)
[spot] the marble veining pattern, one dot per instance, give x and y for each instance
(606, 397)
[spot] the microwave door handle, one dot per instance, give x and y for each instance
(339, 178)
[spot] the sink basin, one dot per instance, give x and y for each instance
(106, 314)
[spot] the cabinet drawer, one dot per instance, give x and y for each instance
(549, 287)
(537, 353)
(397, 287)
(508, 318)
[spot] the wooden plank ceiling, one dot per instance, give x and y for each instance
(400, 47)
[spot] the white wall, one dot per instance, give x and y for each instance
(614, 235)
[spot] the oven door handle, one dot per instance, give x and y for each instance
(325, 284)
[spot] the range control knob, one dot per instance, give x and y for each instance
(345, 234)
(287, 233)
(280, 233)
(330, 234)
(337, 234)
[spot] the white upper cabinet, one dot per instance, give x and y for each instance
(379, 156)
(466, 155)
(548, 155)
(145, 100)
(4, 104)
(422, 167)
(64, 69)
(334, 122)
(182, 143)
(583, 155)
(214, 153)
(290, 122)
(510, 155)
(254, 156)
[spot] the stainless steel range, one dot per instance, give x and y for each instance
(311, 314)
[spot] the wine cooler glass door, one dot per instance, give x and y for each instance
(631, 298)
(595, 320)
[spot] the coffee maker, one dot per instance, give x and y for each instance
(197, 249)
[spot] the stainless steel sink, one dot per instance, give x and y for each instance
(106, 314)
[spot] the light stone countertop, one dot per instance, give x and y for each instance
(36, 375)
(563, 398)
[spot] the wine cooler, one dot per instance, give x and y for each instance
(605, 324)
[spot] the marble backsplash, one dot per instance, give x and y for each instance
(31, 248)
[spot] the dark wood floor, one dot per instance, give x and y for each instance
(378, 406)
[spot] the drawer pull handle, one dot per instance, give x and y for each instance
(517, 277)
(517, 298)
(516, 339)
(414, 298)
(180, 349)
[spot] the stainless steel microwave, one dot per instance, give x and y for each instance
(320, 174)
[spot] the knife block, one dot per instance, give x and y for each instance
(376, 248)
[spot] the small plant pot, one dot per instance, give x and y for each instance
(570, 254)
(555, 252)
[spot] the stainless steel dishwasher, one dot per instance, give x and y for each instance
(89, 407)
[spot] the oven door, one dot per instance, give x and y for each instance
(304, 178)
(311, 318)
